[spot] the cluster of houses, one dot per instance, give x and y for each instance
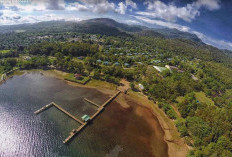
(127, 65)
(169, 67)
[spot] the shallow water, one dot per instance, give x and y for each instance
(114, 133)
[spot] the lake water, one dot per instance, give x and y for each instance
(116, 132)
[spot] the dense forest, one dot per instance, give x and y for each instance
(202, 72)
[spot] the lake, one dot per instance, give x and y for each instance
(115, 132)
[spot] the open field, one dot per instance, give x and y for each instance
(200, 96)
(4, 51)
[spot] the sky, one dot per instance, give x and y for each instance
(210, 20)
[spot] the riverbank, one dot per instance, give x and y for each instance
(176, 145)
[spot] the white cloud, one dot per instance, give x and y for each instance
(163, 23)
(209, 4)
(12, 18)
(77, 6)
(121, 8)
(218, 43)
(132, 22)
(96, 6)
(170, 12)
(131, 3)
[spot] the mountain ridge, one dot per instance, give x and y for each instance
(100, 26)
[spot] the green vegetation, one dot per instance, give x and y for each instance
(4, 51)
(201, 97)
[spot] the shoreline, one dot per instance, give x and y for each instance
(176, 145)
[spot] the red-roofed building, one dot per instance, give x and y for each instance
(78, 76)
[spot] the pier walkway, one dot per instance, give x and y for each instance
(83, 124)
(91, 102)
(67, 113)
(43, 108)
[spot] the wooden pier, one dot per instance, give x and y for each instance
(83, 124)
(43, 108)
(113, 97)
(73, 133)
(91, 102)
(67, 113)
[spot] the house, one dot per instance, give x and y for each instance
(194, 77)
(27, 58)
(117, 64)
(127, 65)
(156, 61)
(81, 57)
(141, 87)
(85, 118)
(106, 63)
(171, 67)
(78, 76)
(160, 69)
(99, 61)
(174, 68)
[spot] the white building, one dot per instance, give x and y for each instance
(141, 87)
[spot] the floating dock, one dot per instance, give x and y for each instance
(83, 124)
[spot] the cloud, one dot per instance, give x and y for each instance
(170, 12)
(100, 6)
(55, 5)
(163, 23)
(121, 8)
(96, 6)
(209, 4)
(132, 22)
(9, 17)
(218, 43)
(131, 3)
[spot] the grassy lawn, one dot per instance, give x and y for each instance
(51, 59)
(180, 99)
(4, 51)
(83, 79)
(200, 96)
(102, 84)
(78, 60)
